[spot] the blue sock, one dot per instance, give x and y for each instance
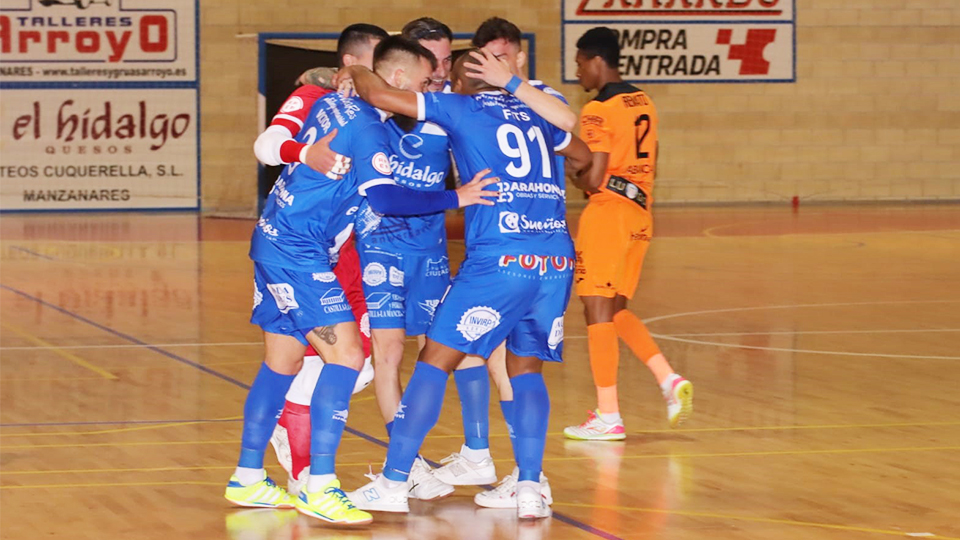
(389, 428)
(531, 413)
(260, 413)
(418, 413)
(473, 385)
(328, 415)
(507, 408)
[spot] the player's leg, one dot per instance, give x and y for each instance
(599, 270)
(291, 438)
(388, 346)
(532, 404)
(275, 292)
(677, 391)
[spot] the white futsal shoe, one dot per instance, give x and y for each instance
(280, 441)
(505, 494)
(678, 393)
(531, 503)
(457, 470)
(423, 485)
(381, 495)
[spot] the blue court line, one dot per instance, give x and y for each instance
(559, 517)
(118, 423)
(34, 253)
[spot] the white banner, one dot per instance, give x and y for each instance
(704, 52)
(95, 149)
(689, 40)
(113, 41)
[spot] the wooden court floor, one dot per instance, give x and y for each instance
(824, 346)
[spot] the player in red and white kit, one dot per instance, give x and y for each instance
(277, 146)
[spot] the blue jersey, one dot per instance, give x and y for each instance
(307, 216)
(420, 159)
(497, 131)
(542, 86)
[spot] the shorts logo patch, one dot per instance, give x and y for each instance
(257, 296)
(292, 104)
(333, 296)
(396, 277)
(377, 300)
(556, 333)
(283, 295)
(439, 267)
(324, 277)
(381, 163)
(430, 306)
(509, 222)
(374, 274)
(477, 321)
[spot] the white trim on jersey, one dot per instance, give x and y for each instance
(362, 188)
(267, 146)
(421, 107)
(287, 117)
(565, 143)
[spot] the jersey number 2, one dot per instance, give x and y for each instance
(644, 120)
(521, 150)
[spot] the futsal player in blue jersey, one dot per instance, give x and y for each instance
(514, 284)
(297, 299)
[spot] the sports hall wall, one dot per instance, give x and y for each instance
(873, 114)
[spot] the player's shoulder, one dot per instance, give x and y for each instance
(612, 90)
(547, 89)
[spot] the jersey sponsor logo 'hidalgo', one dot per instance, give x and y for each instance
(477, 321)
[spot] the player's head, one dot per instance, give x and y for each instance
(463, 84)
(502, 39)
(437, 37)
(598, 52)
(356, 43)
(404, 64)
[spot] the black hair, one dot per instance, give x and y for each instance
(601, 41)
(355, 36)
(392, 47)
(496, 28)
(426, 28)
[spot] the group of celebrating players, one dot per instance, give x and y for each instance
(350, 255)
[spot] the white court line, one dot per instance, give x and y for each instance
(812, 332)
(796, 306)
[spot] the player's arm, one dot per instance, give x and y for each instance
(375, 91)
(319, 76)
(596, 133)
(496, 73)
(395, 200)
(277, 145)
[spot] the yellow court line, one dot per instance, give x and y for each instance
(60, 352)
(48, 379)
(686, 513)
(161, 469)
(120, 430)
(117, 484)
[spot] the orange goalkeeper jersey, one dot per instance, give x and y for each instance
(622, 121)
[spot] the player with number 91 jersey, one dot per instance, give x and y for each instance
(518, 274)
(497, 131)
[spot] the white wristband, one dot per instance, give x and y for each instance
(303, 154)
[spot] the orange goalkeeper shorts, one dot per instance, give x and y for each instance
(612, 239)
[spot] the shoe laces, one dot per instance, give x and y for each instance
(341, 496)
(591, 418)
(505, 485)
(452, 458)
(369, 474)
(269, 481)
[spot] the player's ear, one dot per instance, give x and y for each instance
(349, 60)
(521, 60)
(397, 78)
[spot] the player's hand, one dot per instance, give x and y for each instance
(321, 76)
(473, 192)
(323, 159)
(343, 81)
(492, 71)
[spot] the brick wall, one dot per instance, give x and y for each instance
(874, 114)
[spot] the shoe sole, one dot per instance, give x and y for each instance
(244, 504)
(536, 516)
(443, 495)
(684, 393)
(604, 437)
(511, 503)
(308, 513)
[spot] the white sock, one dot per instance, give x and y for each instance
(248, 476)
(476, 456)
(528, 484)
(316, 482)
(610, 418)
(390, 484)
(667, 385)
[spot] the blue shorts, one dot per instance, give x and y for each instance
(520, 299)
(293, 303)
(403, 289)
